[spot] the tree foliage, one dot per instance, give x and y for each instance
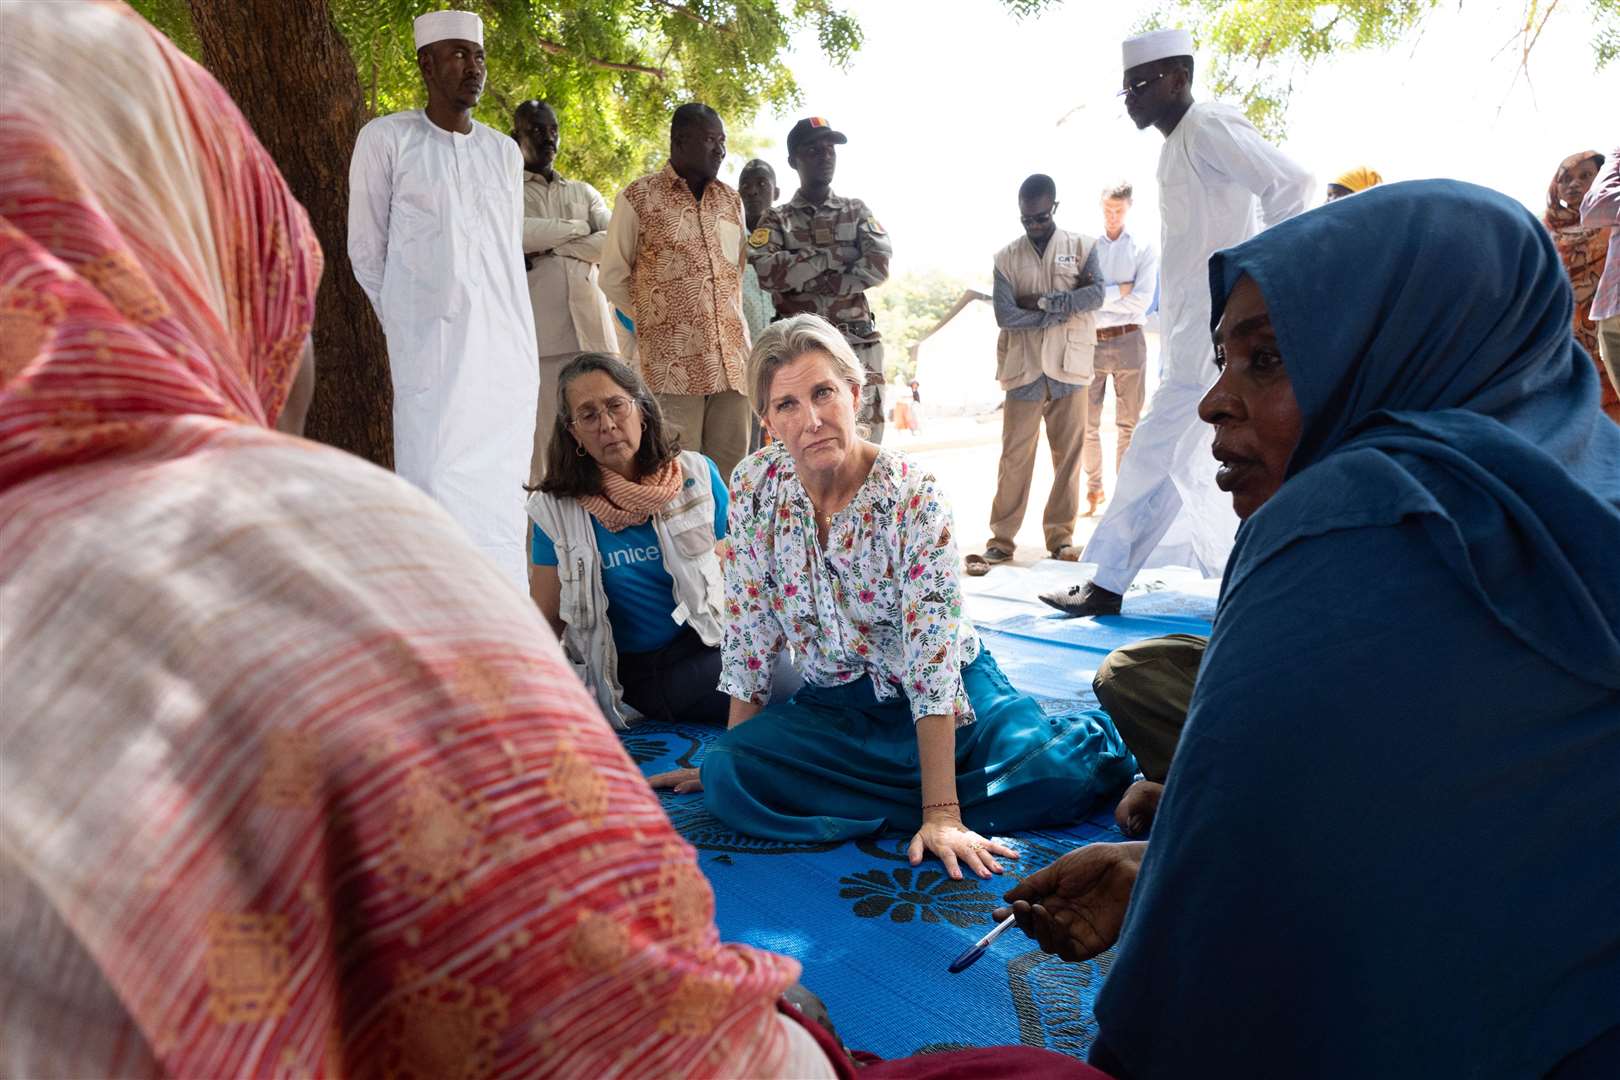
(907, 307)
(1256, 49)
(613, 69)
(1259, 47)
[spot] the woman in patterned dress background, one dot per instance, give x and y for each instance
(1583, 251)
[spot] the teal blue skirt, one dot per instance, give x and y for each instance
(834, 763)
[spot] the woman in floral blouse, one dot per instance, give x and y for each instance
(843, 551)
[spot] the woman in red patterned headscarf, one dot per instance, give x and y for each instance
(1584, 252)
(294, 782)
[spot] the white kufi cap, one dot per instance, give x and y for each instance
(448, 26)
(1157, 45)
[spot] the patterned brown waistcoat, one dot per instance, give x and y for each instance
(687, 285)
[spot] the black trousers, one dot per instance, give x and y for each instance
(676, 684)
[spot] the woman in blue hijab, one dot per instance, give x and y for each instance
(1390, 839)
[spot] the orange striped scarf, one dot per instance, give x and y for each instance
(624, 503)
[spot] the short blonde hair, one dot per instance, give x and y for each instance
(784, 342)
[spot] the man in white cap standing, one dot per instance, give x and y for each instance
(436, 240)
(1219, 184)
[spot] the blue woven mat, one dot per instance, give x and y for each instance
(874, 933)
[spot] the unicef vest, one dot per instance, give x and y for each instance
(685, 531)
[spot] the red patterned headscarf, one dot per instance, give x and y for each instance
(294, 783)
(157, 279)
(1558, 215)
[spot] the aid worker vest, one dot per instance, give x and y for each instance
(1062, 352)
(685, 531)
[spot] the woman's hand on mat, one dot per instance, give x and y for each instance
(679, 781)
(958, 846)
(1075, 907)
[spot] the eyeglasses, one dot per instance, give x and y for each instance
(1039, 219)
(592, 418)
(1135, 89)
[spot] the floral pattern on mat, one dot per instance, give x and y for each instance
(930, 896)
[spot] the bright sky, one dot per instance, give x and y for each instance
(951, 103)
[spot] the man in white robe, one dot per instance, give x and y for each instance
(436, 241)
(1219, 184)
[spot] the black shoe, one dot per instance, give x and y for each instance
(1087, 599)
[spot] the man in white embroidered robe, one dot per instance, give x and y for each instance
(435, 238)
(1219, 184)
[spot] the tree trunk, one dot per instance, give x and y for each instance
(293, 77)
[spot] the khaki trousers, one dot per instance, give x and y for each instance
(1146, 688)
(712, 424)
(1124, 358)
(1020, 430)
(870, 354)
(545, 415)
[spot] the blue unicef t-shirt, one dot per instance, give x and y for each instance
(640, 592)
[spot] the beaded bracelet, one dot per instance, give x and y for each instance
(940, 805)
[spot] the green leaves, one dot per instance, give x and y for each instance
(1605, 32)
(907, 307)
(613, 69)
(1257, 48)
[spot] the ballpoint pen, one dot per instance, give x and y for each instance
(965, 961)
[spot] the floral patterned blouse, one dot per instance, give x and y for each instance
(883, 600)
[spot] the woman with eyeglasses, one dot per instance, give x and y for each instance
(623, 549)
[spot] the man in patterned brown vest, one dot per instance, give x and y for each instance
(819, 253)
(674, 262)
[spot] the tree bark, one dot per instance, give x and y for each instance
(292, 75)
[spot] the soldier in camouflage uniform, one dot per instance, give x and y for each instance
(819, 253)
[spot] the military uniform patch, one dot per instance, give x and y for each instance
(855, 253)
(759, 237)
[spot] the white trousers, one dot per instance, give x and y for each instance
(1166, 509)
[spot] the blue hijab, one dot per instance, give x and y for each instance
(1387, 841)
(1437, 379)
